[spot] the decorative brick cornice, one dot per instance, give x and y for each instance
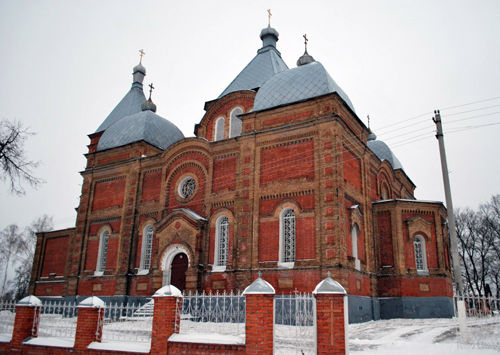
(288, 140)
(287, 195)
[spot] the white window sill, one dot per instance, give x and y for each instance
(289, 265)
(143, 272)
(423, 272)
(98, 273)
(217, 268)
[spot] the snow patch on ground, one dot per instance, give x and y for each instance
(211, 338)
(121, 346)
(423, 336)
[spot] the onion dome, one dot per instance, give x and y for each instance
(297, 84)
(383, 152)
(265, 64)
(148, 105)
(131, 103)
(144, 126)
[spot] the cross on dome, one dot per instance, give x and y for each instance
(269, 14)
(142, 54)
(151, 88)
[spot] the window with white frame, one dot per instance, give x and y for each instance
(222, 241)
(235, 123)
(103, 252)
(219, 129)
(420, 254)
(147, 248)
(287, 237)
(354, 236)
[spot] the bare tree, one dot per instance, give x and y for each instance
(16, 168)
(9, 238)
(26, 250)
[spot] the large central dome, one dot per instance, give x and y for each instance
(298, 84)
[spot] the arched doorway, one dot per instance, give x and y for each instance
(178, 271)
(174, 264)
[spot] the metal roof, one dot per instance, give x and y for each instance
(143, 126)
(129, 105)
(383, 152)
(265, 64)
(297, 84)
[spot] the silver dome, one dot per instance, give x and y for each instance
(143, 126)
(297, 84)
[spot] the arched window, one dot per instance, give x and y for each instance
(222, 241)
(420, 254)
(287, 237)
(103, 253)
(235, 123)
(219, 129)
(354, 236)
(147, 248)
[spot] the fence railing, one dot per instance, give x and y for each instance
(482, 323)
(212, 313)
(57, 319)
(7, 316)
(128, 323)
(295, 324)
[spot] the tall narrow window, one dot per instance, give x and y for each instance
(103, 252)
(219, 129)
(222, 241)
(147, 248)
(354, 235)
(287, 236)
(235, 123)
(420, 254)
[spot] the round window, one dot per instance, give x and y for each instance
(187, 187)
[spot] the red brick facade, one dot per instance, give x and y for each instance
(310, 157)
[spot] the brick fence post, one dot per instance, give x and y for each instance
(259, 324)
(164, 318)
(27, 319)
(89, 323)
(331, 318)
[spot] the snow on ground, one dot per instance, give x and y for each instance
(424, 336)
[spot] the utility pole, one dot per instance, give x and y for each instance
(457, 275)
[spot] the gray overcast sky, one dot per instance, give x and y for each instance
(66, 64)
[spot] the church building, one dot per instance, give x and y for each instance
(281, 177)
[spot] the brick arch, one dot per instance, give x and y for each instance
(140, 235)
(173, 179)
(287, 204)
(167, 256)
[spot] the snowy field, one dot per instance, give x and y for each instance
(424, 337)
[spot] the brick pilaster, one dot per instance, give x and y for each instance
(88, 326)
(164, 321)
(259, 324)
(331, 324)
(24, 325)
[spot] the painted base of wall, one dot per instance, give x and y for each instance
(364, 309)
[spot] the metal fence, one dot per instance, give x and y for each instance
(7, 316)
(295, 324)
(57, 319)
(128, 322)
(482, 323)
(212, 313)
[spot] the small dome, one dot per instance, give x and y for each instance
(305, 59)
(148, 105)
(297, 84)
(143, 126)
(371, 137)
(383, 152)
(140, 68)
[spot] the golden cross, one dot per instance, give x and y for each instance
(142, 53)
(269, 15)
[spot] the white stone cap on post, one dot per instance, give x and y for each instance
(329, 285)
(259, 287)
(92, 302)
(168, 291)
(30, 301)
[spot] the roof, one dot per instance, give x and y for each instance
(383, 152)
(265, 64)
(130, 104)
(297, 84)
(143, 126)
